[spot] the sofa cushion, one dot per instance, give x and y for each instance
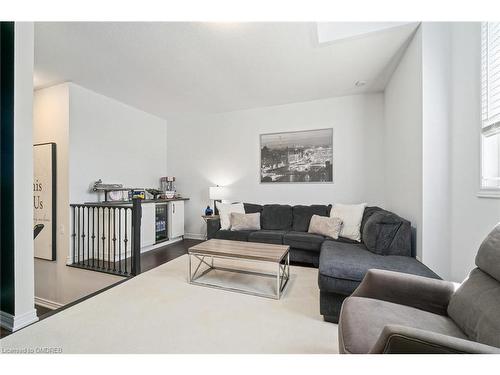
(352, 261)
(304, 256)
(267, 236)
(386, 233)
(304, 241)
(475, 307)
(235, 235)
(276, 217)
(251, 208)
(302, 215)
(363, 319)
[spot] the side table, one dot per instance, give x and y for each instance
(206, 218)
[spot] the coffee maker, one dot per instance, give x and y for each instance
(167, 185)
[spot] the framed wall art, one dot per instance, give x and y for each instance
(297, 157)
(44, 200)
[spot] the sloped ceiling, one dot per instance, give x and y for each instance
(171, 68)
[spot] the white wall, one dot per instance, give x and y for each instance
(472, 217)
(50, 124)
(23, 175)
(223, 149)
(114, 142)
(418, 146)
(436, 128)
(403, 138)
(83, 124)
(442, 66)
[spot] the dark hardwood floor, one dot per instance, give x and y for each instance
(156, 257)
(149, 260)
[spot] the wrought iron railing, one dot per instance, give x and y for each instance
(106, 237)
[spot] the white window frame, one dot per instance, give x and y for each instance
(491, 129)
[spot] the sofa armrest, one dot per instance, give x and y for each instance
(213, 226)
(416, 291)
(396, 339)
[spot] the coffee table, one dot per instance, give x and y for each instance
(201, 262)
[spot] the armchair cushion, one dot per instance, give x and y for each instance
(488, 255)
(362, 321)
(396, 339)
(475, 307)
(414, 291)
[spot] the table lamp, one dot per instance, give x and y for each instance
(216, 193)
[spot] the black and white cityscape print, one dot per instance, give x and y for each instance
(300, 156)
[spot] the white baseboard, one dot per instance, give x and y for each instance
(47, 303)
(194, 236)
(13, 323)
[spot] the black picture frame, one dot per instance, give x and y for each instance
(283, 174)
(53, 153)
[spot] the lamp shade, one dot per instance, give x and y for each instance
(216, 192)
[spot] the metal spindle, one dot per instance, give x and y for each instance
(98, 257)
(103, 238)
(83, 235)
(93, 235)
(120, 240)
(74, 235)
(88, 236)
(78, 240)
(114, 239)
(109, 238)
(126, 240)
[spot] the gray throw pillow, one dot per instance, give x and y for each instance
(245, 221)
(385, 233)
(326, 226)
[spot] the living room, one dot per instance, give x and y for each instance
(335, 177)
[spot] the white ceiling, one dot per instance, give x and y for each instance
(333, 31)
(171, 68)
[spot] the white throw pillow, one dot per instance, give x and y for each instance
(245, 221)
(351, 216)
(326, 226)
(225, 210)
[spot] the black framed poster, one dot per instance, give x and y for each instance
(44, 200)
(304, 156)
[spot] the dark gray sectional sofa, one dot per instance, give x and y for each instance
(386, 244)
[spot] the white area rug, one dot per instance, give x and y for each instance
(159, 312)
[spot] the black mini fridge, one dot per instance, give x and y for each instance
(161, 223)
